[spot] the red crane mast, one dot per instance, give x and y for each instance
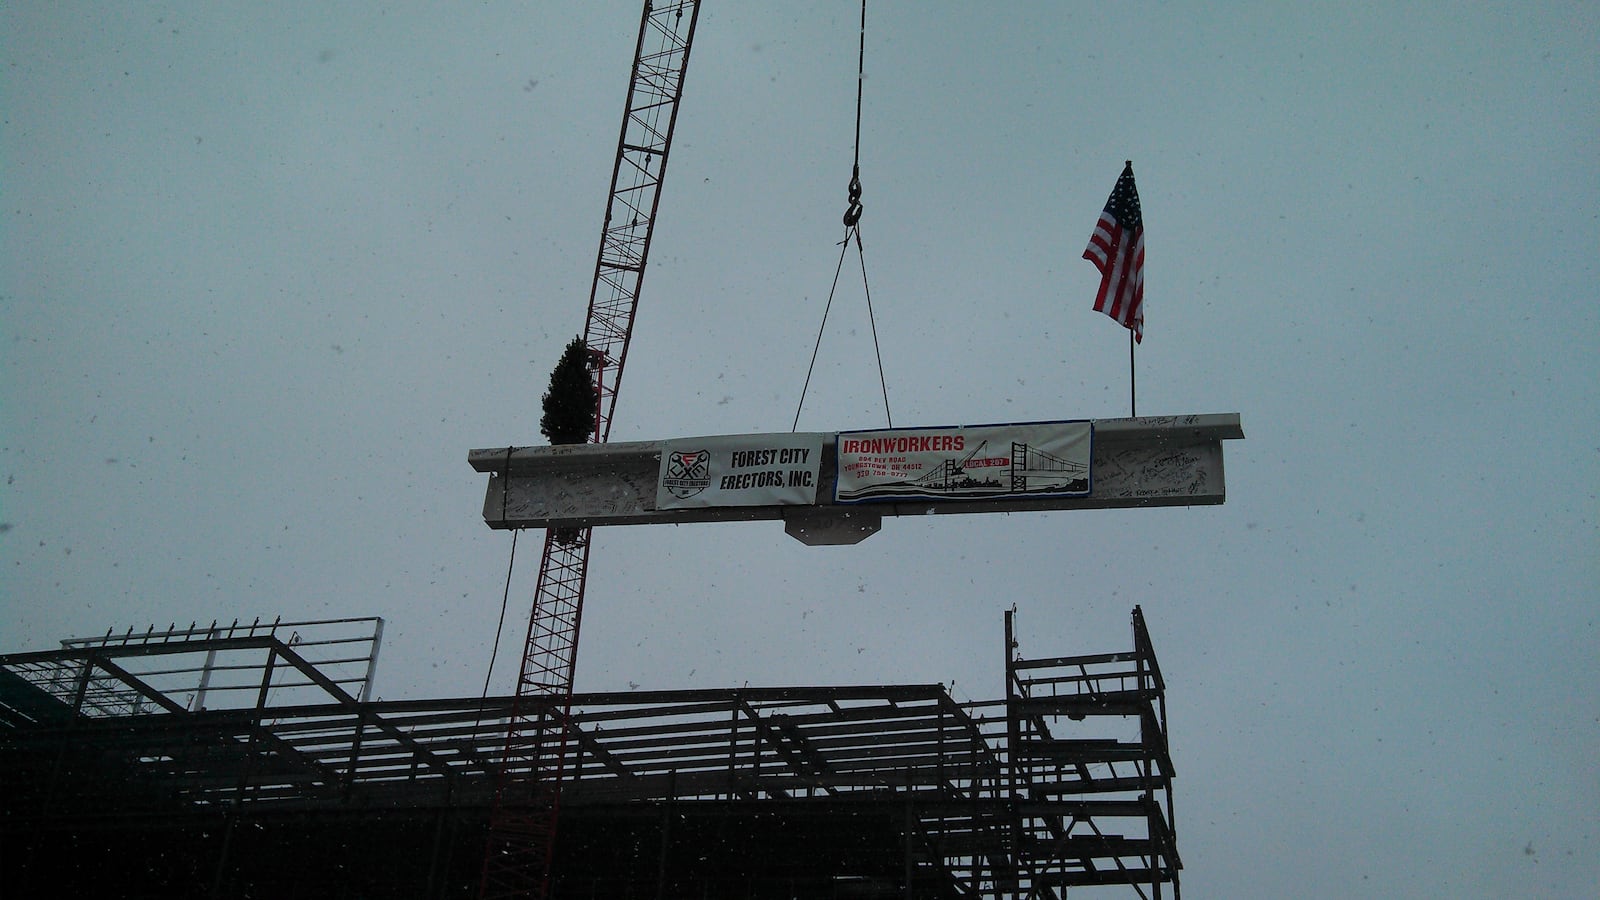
(522, 829)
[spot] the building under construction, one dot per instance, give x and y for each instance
(247, 760)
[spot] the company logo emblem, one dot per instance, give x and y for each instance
(688, 473)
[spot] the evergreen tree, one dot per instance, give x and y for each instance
(573, 399)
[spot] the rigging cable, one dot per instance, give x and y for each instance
(852, 230)
(505, 598)
(873, 321)
(505, 601)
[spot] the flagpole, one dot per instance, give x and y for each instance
(1133, 382)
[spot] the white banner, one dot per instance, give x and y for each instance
(739, 470)
(1040, 459)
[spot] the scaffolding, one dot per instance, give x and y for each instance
(306, 788)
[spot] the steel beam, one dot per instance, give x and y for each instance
(1146, 461)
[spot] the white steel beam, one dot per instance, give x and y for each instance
(1145, 461)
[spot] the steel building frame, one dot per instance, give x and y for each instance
(856, 791)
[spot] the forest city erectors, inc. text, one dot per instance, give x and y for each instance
(783, 456)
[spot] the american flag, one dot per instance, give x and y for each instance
(1117, 249)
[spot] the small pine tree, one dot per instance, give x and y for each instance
(573, 399)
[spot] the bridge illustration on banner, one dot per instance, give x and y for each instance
(1027, 462)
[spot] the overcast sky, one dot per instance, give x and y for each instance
(270, 270)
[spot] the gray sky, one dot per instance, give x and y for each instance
(270, 270)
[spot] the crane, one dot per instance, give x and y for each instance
(522, 826)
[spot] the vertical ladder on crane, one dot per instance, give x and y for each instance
(522, 828)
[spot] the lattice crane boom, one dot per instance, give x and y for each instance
(642, 147)
(522, 827)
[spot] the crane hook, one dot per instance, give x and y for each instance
(852, 215)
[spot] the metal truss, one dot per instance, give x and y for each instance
(853, 791)
(518, 855)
